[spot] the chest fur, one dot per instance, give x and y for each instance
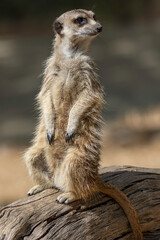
(65, 88)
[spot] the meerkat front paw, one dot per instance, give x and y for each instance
(66, 198)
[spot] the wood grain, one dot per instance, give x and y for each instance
(41, 217)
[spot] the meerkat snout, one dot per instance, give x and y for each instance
(99, 29)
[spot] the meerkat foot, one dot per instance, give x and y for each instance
(38, 188)
(66, 198)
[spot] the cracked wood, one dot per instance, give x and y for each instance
(40, 217)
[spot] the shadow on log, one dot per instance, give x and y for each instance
(40, 217)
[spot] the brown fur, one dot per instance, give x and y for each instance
(71, 100)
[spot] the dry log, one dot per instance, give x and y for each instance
(40, 217)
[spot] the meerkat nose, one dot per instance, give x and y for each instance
(99, 29)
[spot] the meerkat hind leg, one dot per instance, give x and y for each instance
(38, 170)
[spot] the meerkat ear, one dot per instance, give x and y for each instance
(58, 26)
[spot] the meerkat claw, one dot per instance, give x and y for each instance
(68, 137)
(50, 137)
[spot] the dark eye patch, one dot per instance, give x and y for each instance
(80, 20)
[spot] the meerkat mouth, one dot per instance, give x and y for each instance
(93, 33)
(90, 34)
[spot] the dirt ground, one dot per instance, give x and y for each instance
(14, 180)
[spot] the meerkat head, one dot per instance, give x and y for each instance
(78, 26)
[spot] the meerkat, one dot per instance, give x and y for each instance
(66, 148)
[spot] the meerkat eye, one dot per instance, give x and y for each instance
(80, 20)
(94, 17)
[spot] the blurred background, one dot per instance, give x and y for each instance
(127, 54)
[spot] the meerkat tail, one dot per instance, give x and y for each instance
(126, 205)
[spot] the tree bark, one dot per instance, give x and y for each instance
(41, 217)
